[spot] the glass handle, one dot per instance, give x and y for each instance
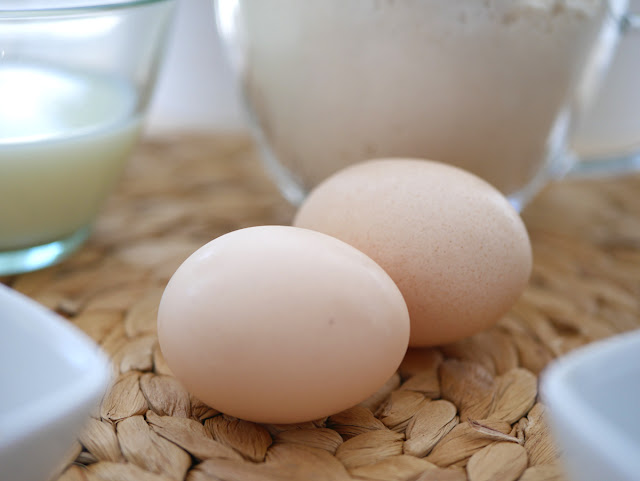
(630, 21)
(615, 164)
(610, 166)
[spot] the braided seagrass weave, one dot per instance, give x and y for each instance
(468, 410)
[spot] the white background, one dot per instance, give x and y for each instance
(195, 89)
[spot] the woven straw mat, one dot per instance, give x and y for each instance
(468, 410)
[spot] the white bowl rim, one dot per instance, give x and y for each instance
(589, 423)
(35, 414)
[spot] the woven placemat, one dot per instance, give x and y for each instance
(469, 410)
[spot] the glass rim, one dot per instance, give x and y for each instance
(22, 11)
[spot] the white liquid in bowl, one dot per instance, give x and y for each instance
(64, 139)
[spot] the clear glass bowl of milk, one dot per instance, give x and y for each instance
(75, 80)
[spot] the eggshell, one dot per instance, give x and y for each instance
(279, 324)
(453, 244)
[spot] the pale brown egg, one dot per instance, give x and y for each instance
(281, 325)
(453, 244)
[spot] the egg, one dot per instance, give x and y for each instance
(453, 244)
(280, 324)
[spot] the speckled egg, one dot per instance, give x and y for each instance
(453, 244)
(281, 325)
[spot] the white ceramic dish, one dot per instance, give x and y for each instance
(52, 375)
(593, 396)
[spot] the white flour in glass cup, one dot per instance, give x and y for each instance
(485, 85)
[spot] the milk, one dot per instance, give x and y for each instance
(485, 85)
(64, 138)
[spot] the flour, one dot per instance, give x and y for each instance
(485, 85)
